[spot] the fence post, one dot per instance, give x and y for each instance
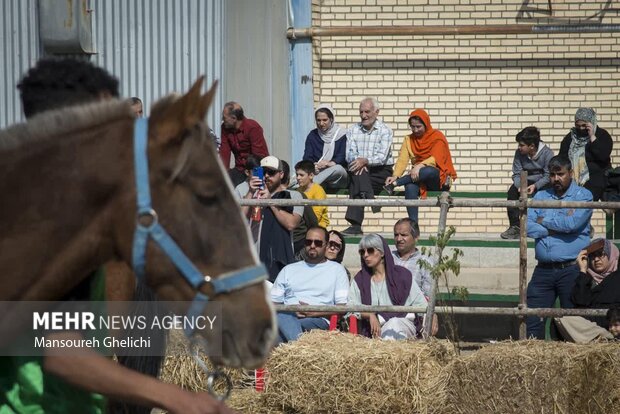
(523, 253)
(444, 203)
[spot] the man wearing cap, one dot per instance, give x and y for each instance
(369, 155)
(275, 238)
(312, 281)
(241, 136)
(560, 233)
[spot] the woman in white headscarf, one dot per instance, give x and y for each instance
(326, 147)
(588, 147)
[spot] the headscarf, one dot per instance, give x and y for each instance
(397, 279)
(340, 256)
(330, 136)
(612, 253)
(432, 143)
(577, 148)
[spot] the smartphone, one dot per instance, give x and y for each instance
(596, 246)
(259, 173)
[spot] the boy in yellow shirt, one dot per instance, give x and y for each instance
(305, 171)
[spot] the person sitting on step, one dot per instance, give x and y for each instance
(532, 156)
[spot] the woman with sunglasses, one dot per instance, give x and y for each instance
(596, 287)
(382, 283)
(598, 283)
(335, 248)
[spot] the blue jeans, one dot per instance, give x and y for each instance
(547, 285)
(428, 176)
(290, 327)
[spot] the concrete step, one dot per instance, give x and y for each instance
(482, 256)
(488, 267)
(479, 281)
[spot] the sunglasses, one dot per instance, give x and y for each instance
(334, 245)
(594, 255)
(317, 243)
(269, 171)
(369, 250)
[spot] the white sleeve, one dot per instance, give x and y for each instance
(278, 290)
(342, 286)
(416, 296)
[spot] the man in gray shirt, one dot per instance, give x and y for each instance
(406, 235)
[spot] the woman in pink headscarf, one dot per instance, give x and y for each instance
(598, 283)
(596, 287)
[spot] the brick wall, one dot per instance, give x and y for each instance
(480, 90)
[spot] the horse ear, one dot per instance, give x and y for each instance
(206, 100)
(181, 115)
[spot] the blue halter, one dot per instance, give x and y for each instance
(226, 282)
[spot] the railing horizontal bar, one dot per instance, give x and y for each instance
(457, 310)
(455, 202)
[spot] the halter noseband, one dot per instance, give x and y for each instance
(226, 282)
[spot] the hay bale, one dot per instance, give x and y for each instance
(180, 368)
(332, 372)
(526, 377)
(601, 380)
(248, 401)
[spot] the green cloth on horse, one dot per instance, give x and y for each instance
(25, 388)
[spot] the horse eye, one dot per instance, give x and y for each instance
(207, 200)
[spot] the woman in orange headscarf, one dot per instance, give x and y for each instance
(427, 148)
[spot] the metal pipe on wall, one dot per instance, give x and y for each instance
(491, 29)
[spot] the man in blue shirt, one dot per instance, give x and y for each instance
(560, 233)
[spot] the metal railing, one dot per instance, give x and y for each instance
(445, 202)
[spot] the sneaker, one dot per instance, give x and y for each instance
(389, 189)
(513, 232)
(376, 209)
(354, 230)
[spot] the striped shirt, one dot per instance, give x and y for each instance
(374, 144)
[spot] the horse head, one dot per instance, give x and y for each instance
(193, 200)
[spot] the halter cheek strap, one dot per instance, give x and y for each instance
(225, 283)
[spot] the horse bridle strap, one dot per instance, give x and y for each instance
(226, 282)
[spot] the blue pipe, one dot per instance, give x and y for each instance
(300, 81)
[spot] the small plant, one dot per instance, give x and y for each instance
(440, 270)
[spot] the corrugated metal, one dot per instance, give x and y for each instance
(153, 47)
(19, 50)
(158, 46)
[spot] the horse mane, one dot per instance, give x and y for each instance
(59, 122)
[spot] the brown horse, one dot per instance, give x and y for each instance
(69, 206)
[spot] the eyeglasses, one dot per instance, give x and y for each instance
(317, 243)
(594, 255)
(270, 171)
(334, 245)
(369, 250)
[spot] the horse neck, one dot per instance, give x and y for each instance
(63, 192)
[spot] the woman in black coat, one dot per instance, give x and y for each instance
(598, 283)
(589, 148)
